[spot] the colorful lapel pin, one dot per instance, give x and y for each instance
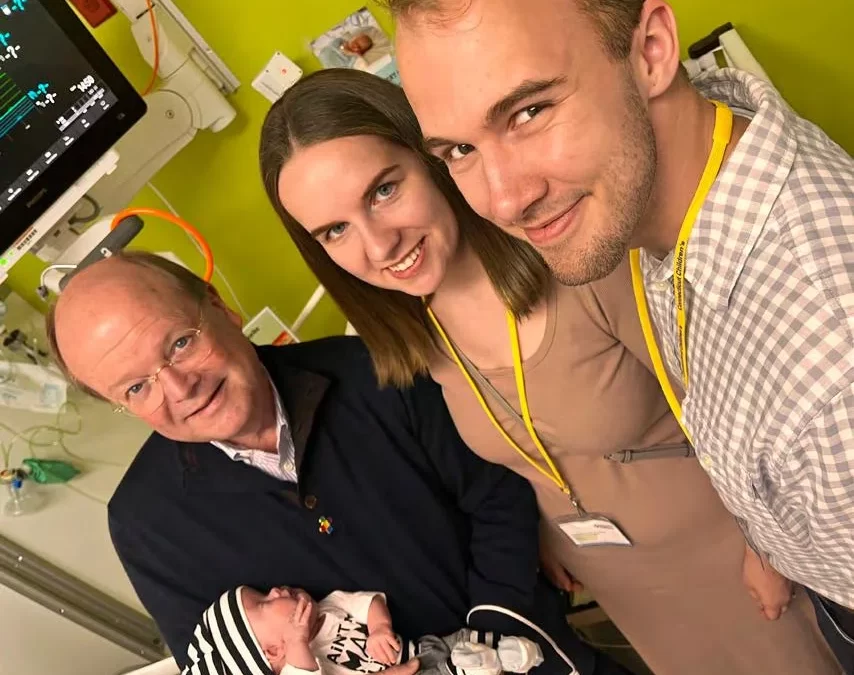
(324, 525)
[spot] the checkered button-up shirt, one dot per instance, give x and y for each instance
(770, 292)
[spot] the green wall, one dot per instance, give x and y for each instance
(215, 181)
(802, 46)
(215, 184)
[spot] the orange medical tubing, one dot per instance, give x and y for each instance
(155, 35)
(175, 220)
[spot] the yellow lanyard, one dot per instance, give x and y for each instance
(553, 474)
(720, 139)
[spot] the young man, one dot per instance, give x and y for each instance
(572, 124)
(289, 465)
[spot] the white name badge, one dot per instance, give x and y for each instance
(592, 530)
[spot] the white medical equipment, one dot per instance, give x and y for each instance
(723, 47)
(82, 141)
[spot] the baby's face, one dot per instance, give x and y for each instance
(269, 614)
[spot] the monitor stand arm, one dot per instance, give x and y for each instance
(164, 130)
(190, 96)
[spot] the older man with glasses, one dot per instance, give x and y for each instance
(288, 465)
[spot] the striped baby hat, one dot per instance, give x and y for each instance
(223, 642)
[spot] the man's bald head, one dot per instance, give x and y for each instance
(127, 277)
(150, 336)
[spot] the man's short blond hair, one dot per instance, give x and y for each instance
(615, 20)
(184, 280)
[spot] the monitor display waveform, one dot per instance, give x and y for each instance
(15, 105)
(46, 104)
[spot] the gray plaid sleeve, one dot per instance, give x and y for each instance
(822, 462)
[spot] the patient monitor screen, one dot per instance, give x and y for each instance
(50, 95)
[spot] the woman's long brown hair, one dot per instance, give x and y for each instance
(338, 103)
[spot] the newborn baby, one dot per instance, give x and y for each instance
(287, 632)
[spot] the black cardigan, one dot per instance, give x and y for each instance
(415, 513)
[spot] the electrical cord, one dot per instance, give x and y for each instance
(42, 436)
(195, 243)
(530, 624)
(46, 271)
(58, 431)
(96, 211)
(155, 34)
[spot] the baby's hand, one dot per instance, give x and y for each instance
(383, 645)
(298, 628)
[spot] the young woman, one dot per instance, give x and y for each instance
(552, 381)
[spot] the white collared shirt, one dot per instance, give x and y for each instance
(770, 296)
(280, 465)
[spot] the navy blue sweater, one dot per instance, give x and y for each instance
(415, 513)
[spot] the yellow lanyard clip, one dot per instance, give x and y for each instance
(553, 474)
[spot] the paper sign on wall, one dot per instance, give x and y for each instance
(358, 42)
